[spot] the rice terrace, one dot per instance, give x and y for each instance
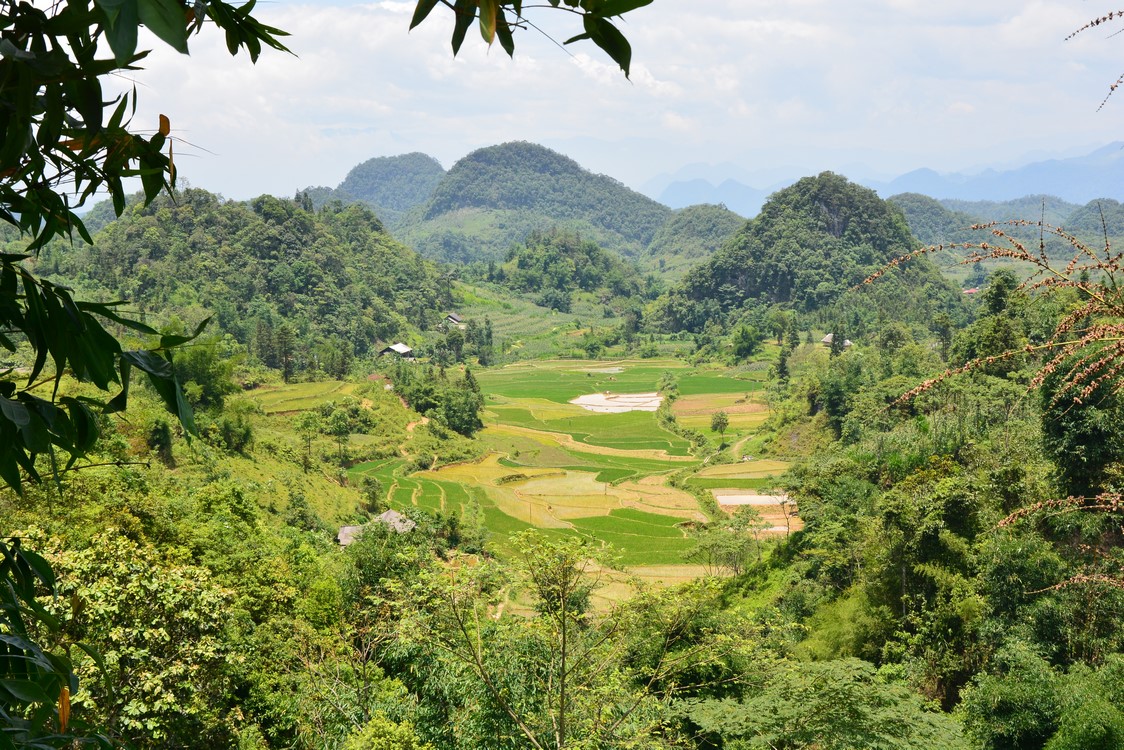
(576, 449)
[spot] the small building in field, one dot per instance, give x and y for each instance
(396, 521)
(348, 534)
(400, 349)
(973, 290)
(829, 338)
(453, 319)
(392, 518)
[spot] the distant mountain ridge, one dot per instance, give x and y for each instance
(495, 197)
(1077, 180)
(1080, 179)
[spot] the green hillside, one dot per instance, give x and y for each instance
(810, 248)
(1049, 208)
(933, 223)
(333, 276)
(496, 196)
(690, 235)
(390, 185)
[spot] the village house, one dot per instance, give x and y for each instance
(400, 349)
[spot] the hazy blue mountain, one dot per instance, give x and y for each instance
(1078, 180)
(1075, 180)
(736, 196)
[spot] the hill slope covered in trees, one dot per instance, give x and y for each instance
(496, 196)
(691, 235)
(263, 269)
(389, 185)
(810, 248)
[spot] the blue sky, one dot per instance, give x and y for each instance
(756, 90)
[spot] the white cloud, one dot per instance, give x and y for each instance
(896, 83)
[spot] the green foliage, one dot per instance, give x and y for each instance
(206, 369)
(1016, 704)
(563, 262)
(382, 734)
(747, 341)
(568, 678)
(71, 334)
(1083, 435)
(35, 682)
(843, 705)
(498, 19)
(157, 626)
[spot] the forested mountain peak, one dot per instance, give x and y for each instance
(810, 247)
(389, 185)
(692, 234)
(496, 196)
(395, 182)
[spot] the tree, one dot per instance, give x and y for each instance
(339, 427)
(719, 421)
(460, 411)
(308, 426)
(568, 677)
(747, 340)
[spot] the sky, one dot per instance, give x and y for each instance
(754, 90)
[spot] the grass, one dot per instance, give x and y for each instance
(745, 469)
(634, 430)
(300, 396)
(721, 483)
(565, 470)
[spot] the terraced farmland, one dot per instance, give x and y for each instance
(567, 470)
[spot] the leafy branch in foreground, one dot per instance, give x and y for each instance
(498, 20)
(62, 141)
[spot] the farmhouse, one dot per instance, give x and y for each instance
(392, 518)
(453, 319)
(348, 534)
(396, 521)
(400, 349)
(826, 341)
